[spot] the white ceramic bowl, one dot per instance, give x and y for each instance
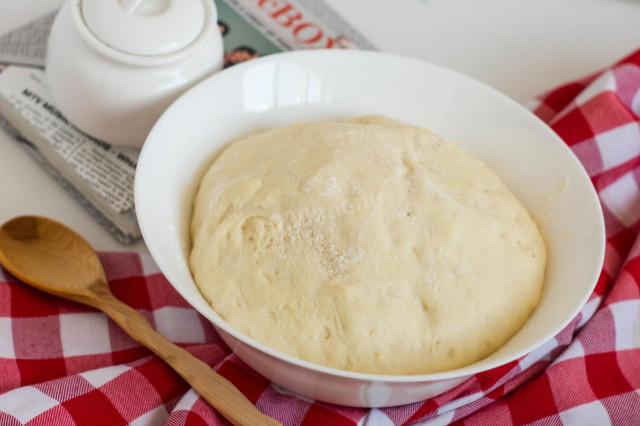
(311, 85)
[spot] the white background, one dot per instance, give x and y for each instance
(520, 47)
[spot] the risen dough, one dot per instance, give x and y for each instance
(365, 245)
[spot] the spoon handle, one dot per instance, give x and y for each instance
(215, 389)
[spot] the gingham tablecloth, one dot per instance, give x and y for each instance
(62, 363)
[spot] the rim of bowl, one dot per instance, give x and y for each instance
(467, 370)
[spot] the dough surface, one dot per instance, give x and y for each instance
(365, 245)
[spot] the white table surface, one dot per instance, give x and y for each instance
(520, 47)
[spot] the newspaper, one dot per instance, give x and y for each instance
(28, 44)
(99, 175)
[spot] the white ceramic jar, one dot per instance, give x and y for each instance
(113, 66)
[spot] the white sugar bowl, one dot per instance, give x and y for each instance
(113, 66)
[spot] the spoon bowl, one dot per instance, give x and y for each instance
(53, 258)
(49, 256)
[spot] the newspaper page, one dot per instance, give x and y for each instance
(108, 170)
(27, 45)
(99, 175)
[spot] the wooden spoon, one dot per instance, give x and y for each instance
(51, 257)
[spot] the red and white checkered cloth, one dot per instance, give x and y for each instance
(62, 363)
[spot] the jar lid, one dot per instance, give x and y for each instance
(144, 27)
